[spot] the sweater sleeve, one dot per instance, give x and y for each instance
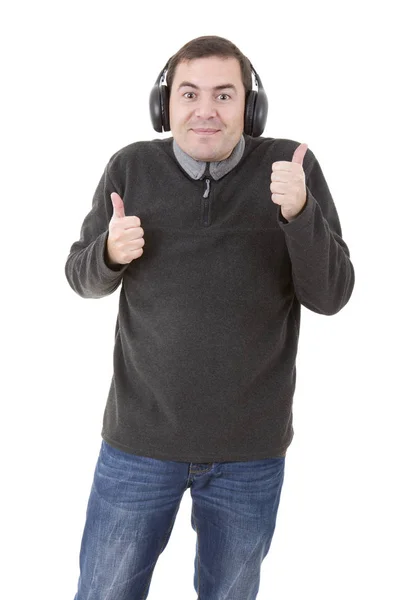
(87, 270)
(323, 275)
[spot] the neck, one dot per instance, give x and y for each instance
(196, 168)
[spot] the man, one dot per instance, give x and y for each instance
(217, 237)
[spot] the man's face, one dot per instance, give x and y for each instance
(207, 107)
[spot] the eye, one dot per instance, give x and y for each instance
(185, 95)
(226, 96)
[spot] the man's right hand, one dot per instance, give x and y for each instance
(125, 236)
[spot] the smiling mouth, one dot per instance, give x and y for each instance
(205, 131)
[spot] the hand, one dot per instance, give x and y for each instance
(289, 184)
(125, 236)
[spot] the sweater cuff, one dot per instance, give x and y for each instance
(105, 266)
(302, 219)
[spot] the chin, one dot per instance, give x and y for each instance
(207, 154)
(204, 156)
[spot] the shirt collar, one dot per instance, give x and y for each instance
(196, 168)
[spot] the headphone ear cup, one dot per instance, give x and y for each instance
(249, 112)
(260, 113)
(156, 108)
(164, 97)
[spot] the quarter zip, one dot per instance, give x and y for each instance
(207, 190)
(206, 204)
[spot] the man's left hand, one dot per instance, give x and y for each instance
(288, 184)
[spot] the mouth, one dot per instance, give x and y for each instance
(205, 131)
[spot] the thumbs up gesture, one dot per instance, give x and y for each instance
(125, 236)
(289, 184)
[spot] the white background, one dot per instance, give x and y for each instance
(76, 81)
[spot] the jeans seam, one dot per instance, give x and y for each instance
(198, 553)
(162, 547)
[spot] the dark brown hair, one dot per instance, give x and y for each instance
(210, 45)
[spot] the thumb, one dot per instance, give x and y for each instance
(118, 204)
(299, 154)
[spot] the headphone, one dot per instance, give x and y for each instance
(255, 111)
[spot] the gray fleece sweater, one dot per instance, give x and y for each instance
(209, 316)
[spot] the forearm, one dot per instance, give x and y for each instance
(323, 275)
(88, 272)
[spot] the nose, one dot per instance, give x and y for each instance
(205, 109)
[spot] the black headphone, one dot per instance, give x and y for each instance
(255, 111)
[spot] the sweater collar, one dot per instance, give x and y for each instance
(196, 168)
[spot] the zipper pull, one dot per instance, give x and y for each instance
(207, 190)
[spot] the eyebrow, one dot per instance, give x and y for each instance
(226, 86)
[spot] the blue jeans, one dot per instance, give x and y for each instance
(132, 508)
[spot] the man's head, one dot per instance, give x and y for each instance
(208, 80)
